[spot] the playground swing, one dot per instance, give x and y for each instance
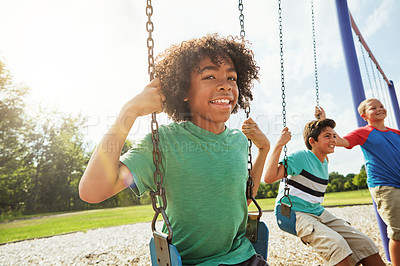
(285, 216)
(256, 231)
(162, 252)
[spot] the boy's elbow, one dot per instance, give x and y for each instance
(269, 179)
(87, 195)
(89, 198)
(272, 176)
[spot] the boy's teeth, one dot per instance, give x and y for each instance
(220, 101)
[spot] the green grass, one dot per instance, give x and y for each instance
(347, 198)
(27, 227)
(42, 226)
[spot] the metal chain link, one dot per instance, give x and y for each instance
(150, 41)
(241, 19)
(285, 179)
(155, 137)
(250, 182)
(315, 54)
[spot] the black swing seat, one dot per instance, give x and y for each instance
(165, 250)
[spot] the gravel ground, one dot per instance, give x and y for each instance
(128, 244)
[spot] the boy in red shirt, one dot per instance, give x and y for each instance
(381, 148)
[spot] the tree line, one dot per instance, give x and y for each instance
(43, 155)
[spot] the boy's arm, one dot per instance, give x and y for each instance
(342, 142)
(275, 171)
(321, 115)
(253, 132)
(105, 175)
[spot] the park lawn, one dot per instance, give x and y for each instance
(43, 226)
(347, 198)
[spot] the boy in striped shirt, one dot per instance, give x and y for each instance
(332, 238)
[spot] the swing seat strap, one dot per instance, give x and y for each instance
(252, 227)
(162, 248)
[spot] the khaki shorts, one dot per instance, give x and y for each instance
(387, 201)
(333, 238)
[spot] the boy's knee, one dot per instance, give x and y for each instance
(337, 251)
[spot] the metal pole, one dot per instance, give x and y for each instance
(357, 88)
(395, 103)
(353, 70)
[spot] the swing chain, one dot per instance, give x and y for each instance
(373, 75)
(155, 138)
(282, 65)
(285, 179)
(150, 41)
(366, 67)
(315, 54)
(241, 19)
(250, 182)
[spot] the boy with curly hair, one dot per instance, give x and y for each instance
(332, 238)
(198, 83)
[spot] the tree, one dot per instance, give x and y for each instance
(336, 182)
(12, 146)
(360, 180)
(57, 161)
(43, 156)
(267, 190)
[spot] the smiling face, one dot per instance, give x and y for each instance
(325, 144)
(213, 94)
(374, 112)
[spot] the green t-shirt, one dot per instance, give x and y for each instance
(308, 180)
(205, 181)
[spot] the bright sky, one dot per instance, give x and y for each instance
(90, 56)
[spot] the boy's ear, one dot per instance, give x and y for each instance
(363, 116)
(311, 140)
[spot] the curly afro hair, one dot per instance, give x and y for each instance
(175, 65)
